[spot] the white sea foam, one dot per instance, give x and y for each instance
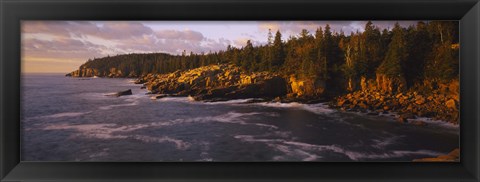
(190, 99)
(175, 99)
(66, 114)
(60, 115)
(320, 108)
(235, 101)
(178, 143)
(280, 105)
(440, 123)
(118, 105)
(110, 94)
(230, 117)
(309, 151)
(113, 131)
(380, 144)
(103, 153)
(205, 148)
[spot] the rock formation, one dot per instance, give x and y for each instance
(91, 72)
(453, 156)
(122, 93)
(217, 82)
(441, 103)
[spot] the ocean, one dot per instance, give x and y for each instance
(74, 119)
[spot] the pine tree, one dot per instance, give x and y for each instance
(396, 55)
(270, 38)
(278, 53)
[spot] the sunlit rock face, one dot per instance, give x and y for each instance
(91, 72)
(306, 87)
(433, 100)
(217, 82)
(391, 84)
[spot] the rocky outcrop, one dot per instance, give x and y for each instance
(453, 156)
(217, 82)
(391, 84)
(306, 87)
(91, 72)
(441, 104)
(122, 93)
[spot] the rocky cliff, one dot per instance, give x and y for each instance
(227, 81)
(441, 102)
(91, 72)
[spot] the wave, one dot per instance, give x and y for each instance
(110, 94)
(108, 107)
(440, 123)
(430, 121)
(235, 101)
(308, 152)
(61, 115)
(230, 117)
(102, 153)
(190, 99)
(113, 131)
(148, 139)
(380, 144)
(66, 114)
(175, 99)
(320, 108)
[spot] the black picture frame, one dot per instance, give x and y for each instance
(12, 12)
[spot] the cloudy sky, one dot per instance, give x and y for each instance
(62, 46)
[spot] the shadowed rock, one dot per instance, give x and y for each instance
(122, 93)
(453, 156)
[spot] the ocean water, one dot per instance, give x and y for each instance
(73, 119)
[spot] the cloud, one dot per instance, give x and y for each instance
(77, 41)
(106, 30)
(180, 35)
(123, 30)
(60, 47)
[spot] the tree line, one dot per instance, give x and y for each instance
(425, 51)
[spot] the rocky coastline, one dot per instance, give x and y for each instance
(226, 82)
(440, 104)
(221, 82)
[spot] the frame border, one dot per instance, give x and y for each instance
(12, 12)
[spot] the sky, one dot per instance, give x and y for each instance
(62, 46)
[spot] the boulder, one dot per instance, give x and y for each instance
(122, 93)
(158, 96)
(455, 153)
(451, 104)
(362, 105)
(140, 81)
(419, 100)
(453, 156)
(402, 119)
